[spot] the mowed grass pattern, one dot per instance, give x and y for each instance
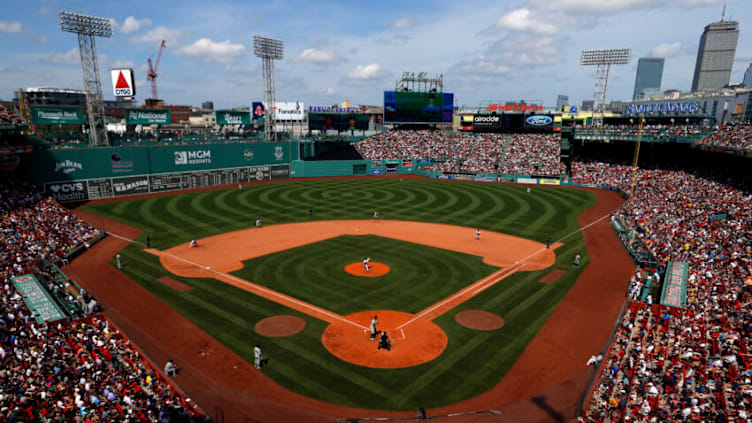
(472, 363)
(419, 277)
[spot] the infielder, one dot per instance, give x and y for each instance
(257, 356)
(367, 264)
(194, 243)
(374, 331)
(477, 234)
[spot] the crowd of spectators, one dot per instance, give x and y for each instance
(673, 364)
(79, 370)
(532, 154)
(8, 116)
(733, 136)
(468, 153)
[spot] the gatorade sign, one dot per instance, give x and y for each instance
(122, 82)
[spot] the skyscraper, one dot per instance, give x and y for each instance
(649, 76)
(715, 56)
(747, 81)
(561, 100)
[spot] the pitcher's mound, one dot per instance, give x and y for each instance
(416, 343)
(479, 320)
(279, 326)
(374, 269)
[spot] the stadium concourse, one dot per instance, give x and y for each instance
(68, 370)
(671, 364)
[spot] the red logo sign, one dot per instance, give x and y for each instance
(515, 108)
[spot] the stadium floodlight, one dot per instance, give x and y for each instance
(268, 49)
(420, 83)
(603, 59)
(87, 27)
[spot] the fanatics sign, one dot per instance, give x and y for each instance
(123, 84)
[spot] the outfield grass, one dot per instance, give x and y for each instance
(472, 363)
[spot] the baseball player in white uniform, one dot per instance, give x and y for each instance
(374, 331)
(194, 243)
(367, 264)
(257, 356)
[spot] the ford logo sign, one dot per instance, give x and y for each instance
(539, 120)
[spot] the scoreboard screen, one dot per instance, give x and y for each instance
(412, 107)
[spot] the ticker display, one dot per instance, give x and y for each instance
(412, 107)
(338, 121)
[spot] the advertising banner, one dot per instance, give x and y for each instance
(258, 110)
(289, 110)
(539, 121)
(40, 303)
(130, 185)
(233, 117)
(123, 84)
(486, 121)
(147, 116)
(544, 181)
(674, 292)
(57, 115)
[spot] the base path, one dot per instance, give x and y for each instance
(226, 252)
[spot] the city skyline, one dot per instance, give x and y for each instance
(514, 50)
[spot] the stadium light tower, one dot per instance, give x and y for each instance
(268, 49)
(603, 59)
(87, 27)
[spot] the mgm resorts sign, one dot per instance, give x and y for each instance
(668, 108)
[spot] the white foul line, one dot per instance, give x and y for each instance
(493, 278)
(257, 286)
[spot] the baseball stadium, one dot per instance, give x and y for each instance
(402, 261)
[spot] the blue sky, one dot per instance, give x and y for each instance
(340, 50)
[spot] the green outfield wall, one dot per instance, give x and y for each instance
(92, 173)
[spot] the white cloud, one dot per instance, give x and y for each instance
(131, 24)
(242, 68)
(70, 57)
(367, 72)
(402, 23)
(318, 56)
(666, 50)
(330, 91)
(13, 27)
(510, 54)
(156, 35)
(520, 20)
(213, 52)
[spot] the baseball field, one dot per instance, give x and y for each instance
(284, 285)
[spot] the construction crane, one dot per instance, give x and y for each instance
(152, 75)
